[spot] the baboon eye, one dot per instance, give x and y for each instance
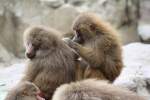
(36, 46)
(78, 33)
(92, 27)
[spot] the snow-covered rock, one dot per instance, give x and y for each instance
(136, 73)
(53, 3)
(144, 32)
(144, 21)
(9, 76)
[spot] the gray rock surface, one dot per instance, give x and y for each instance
(9, 77)
(5, 56)
(144, 32)
(144, 21)
(11, 29)
(53, 3)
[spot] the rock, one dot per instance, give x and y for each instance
(144, 22)
(109, 9)
(144, 32)
(121, 14)
(11, 29)
(144, 11)
(53, 3)
(136, 73)
(129, 34)
(20, 14)
(5, 56)
(76, 2)
(16, 15)
(9, 77)
(62, 18)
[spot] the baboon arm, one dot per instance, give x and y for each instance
(27, 78)
(88, 55)
(31, 73)
(11, 96)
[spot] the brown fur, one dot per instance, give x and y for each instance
(93, 90)
(97, 43)
(23, 91)
(51, 61)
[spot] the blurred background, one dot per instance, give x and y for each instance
(130, 17)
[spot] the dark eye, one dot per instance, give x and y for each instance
(92, 27)
(78, 33)
(36, 45)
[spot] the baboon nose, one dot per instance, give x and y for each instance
(30, 55)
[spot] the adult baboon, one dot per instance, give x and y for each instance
(51, 62)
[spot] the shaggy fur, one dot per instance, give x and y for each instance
(97, 43)
(93, 90)
(23, 91)
(51, 62)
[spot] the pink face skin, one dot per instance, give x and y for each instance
(30, 51)
(39, 98)
(39, 95)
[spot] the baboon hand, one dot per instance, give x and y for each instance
(72, 44)
(66, 40)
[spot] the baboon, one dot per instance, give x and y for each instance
(25, 91)
(97, 43)
(51, 62)
(93, 90)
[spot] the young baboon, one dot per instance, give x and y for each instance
(51, 61)
(93, 90)
(24, 91)
(97, 43)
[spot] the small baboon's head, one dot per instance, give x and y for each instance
(28, 89)
(85, 27)
(25, 91)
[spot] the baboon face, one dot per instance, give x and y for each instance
(38, 43)
(83, 31)
(78, 37)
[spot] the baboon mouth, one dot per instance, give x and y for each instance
(40, 96)
(30, 56)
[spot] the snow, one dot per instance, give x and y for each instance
(144, 31)
(136, 73)
(9, 76)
